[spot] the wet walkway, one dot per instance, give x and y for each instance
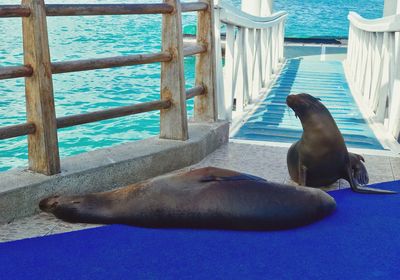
(273, 121)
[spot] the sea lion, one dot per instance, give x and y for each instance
(201, 198)
(320, 157)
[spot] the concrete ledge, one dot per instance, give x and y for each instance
(105, 169)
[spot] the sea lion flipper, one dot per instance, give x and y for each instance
(359, 189)
(302, 174)
(359, 171)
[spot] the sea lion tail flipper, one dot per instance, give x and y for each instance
(360, 173)
(360, 189)
(367, 190)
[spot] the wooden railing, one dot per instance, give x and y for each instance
(373, 67)
(253, 52)
(42, 124)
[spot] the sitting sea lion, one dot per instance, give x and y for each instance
(320, 157)
(201, 198)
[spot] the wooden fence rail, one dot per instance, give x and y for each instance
(101, 9)
(42, 124)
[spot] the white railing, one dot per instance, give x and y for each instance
(253, 53)
(373, 67)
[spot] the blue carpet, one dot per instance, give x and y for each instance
(360, 241)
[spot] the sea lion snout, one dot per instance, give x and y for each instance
(296, 100)
(291, 100)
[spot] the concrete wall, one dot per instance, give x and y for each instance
(105, 169)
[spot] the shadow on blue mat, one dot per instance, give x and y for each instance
(361, 240)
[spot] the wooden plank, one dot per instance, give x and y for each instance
(193, 7)
(196, 91)
(109, 62)
(369, 69)
(43, 155)
(250, 45)
(238, 72)
(16, 130)
(205, 106)
(106, 9)
(269, 69)
(192, 49)
(384, 88)
(377, 61)
(229, 72)
(245, 67)
(112, 113)
(394, 113)
(15, 72)
(281, 41)
(219, 86)
(173, 121)
(7, 11)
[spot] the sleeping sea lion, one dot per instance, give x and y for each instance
(202, 198)
(320, 157)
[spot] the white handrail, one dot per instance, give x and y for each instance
(386, 24)
(253, 53)
(228, 8)
(373, 67)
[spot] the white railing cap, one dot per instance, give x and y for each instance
(384, 24)
(232, 15)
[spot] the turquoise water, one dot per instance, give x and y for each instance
(74, 38)
(274, 121)
(323, 18)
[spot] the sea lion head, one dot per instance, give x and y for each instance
(303, 104)
(63, 207)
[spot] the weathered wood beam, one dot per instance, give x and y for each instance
(7, 11)
(112, 113)
(194, 7)
(43, 155)
(196, 91)
(173, 121)
(99, 63)
(205, 106)
(15, 72)
(106, 9)
(16, 130)
(192, 49)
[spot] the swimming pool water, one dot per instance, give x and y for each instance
(73, 38)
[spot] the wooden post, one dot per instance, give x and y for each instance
(205, 106)
(43, 144)
(173, 121)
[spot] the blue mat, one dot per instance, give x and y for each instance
(360, 241)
